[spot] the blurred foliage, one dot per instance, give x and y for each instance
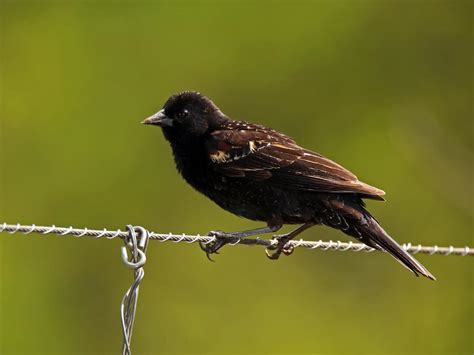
(382, 87)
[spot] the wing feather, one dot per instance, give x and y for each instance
(250, 151)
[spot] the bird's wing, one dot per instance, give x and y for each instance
(244, 150)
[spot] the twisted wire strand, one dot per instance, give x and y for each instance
(136, 242)
(186, 238)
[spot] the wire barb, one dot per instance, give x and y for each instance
(189, 239)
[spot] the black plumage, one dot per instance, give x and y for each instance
(263, 175)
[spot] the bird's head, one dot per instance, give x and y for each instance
(187, 114)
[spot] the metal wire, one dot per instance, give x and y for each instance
(136, 241)
(185, 238)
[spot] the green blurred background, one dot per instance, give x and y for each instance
(382, 87)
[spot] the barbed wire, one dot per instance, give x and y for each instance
(190, 239)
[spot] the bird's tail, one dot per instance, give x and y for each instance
(369, 231)
(377, 234)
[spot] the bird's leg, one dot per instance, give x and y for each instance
(222, 238)
(282, 240)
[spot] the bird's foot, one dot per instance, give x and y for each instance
(221, 239)
(274, 251)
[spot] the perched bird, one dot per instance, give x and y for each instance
(263, 175)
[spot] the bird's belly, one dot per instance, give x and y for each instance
(262, 202)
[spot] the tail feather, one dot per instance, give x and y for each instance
(376, 234)
(347, 213)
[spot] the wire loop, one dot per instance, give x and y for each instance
(17, 227)
(67, 231)
(83, 233)
(237, 241)
(53, 227)
(33, 227)
(136, 242)
(349, 245)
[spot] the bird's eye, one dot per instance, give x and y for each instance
(183, 113)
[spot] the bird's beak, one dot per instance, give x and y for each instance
(159, 119)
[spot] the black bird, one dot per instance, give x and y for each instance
(263, 175)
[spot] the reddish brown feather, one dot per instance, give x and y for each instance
(259, 153)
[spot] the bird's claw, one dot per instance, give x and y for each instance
(213, 247)
(274, 251)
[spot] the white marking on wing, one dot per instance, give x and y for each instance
(219, 156)
(252, 146)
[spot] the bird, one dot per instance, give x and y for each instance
(263, 175)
